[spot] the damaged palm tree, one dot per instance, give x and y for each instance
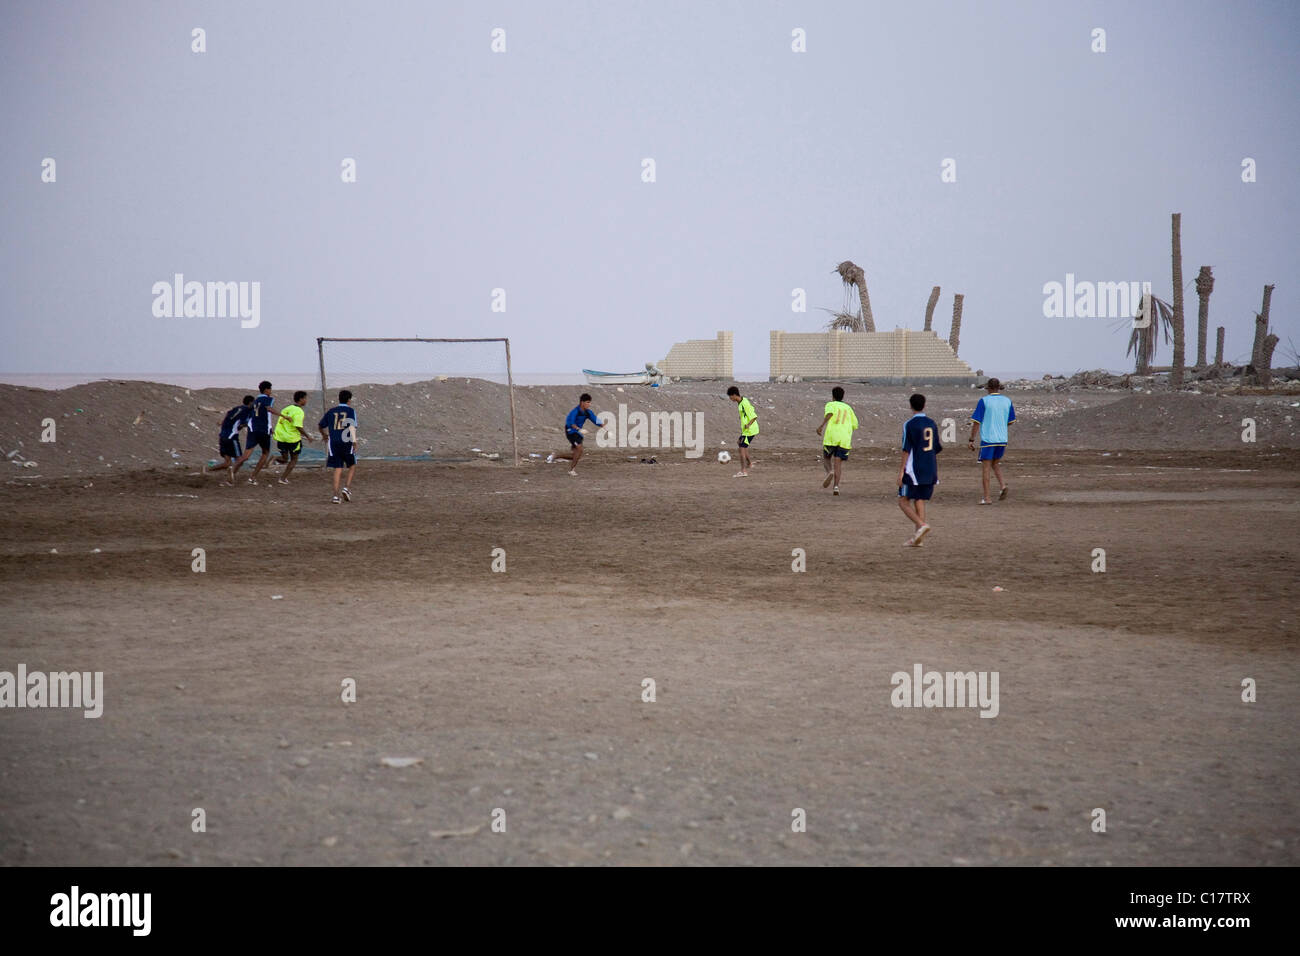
(1180, 347)
(929, 308)
(1262, 353)
(1153, 315)
(852, 275)
(1204, 286)
(954, 336)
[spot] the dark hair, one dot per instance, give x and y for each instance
(584, 397)
(733, 391)
(837, 394)
(993, 385)
(262, 387)
(917, 402)
(344, 397)
(299, 395)
(248, 399)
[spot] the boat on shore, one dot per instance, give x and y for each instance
(647, 377)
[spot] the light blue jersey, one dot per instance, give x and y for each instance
(994, 413)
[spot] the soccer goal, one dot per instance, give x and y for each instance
(432, 399)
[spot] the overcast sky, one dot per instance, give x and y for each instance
(523, 170)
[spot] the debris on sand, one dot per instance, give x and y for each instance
(401, 761)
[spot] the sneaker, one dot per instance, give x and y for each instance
(1003, 493)
(829, 479)
(573, 473)
(835, 490)
(347, 495)
(741, 474)
(550, 458)
(984, 501)
(921, 532)
(283, 482)
(335, 500)
(252, 481)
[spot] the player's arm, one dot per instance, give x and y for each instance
(902, 466)
(823, 424)
(974, 433)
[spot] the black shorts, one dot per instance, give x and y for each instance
(288, 448)
(340, 461)
(745, 440)
(836, 451)
(229, 448)
(259, 441)
(575, 438)
(915, 492)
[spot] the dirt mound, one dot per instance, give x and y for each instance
(1173, 420)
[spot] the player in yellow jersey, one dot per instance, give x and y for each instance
(289, 434)
(839, 423)
(748, 429)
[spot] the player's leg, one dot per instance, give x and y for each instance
(827, 464)
(923, 528)
(347, 479)
(984, 478)
(293, 460)
(839, 469)
(261, 461)
(742, 448)
(577, 457)
(908, 507)
(1002, 484)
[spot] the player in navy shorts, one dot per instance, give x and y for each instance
(338, 427)
(228, 443)
(918, 472)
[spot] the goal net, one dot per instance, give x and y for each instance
(436, 399)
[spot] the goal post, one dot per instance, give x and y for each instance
(447, 399)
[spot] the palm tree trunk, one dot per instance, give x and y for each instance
(1265, 367)
(1180, 346)
(1261, 329)
(955, 335)
(929, 308)
(868, 320)
(1218, 348)
(1143, 350)
(1204, 286)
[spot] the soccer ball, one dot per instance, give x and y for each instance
(724, 456)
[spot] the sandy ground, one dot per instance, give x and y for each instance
(523, 690)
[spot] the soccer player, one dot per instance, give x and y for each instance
(573, 425)
(289, 434)
(338, 428)
(259, 430)
(840, 423)
(748, 429)
(919, 470)
(228, 443)
(991, 419)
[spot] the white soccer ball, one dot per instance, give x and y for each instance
(724, 456)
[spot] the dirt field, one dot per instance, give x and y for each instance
(523, 690)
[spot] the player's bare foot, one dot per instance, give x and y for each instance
(827, 482)
(1003, 493)
(347, 495)
(921, 532)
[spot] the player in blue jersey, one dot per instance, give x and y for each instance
(338, 429)
(573, 425)
(259, 430)
(991, 422)
(918, 472)
(228, 443)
